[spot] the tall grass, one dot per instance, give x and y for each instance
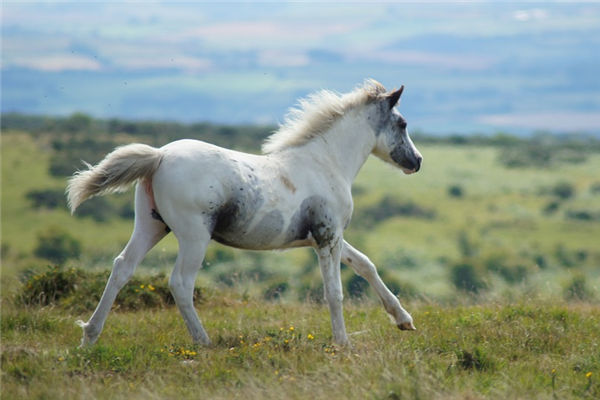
(275, 350)
(498, 266)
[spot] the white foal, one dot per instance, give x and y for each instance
(296, 194)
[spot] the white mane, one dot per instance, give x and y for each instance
(316, 113)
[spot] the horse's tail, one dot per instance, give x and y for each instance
(115, 173)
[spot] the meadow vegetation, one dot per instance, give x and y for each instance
(493, 248)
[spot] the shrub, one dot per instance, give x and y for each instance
(127, 211)
(78, 122)
(455, 191)
(466, 277)
(356, 286)
(230, 278)
(570, 258)
(390, 207)
(311, 291)
(98, 208)
(582, 215)
(47, 198)
(475, 360)
(577, 289)
(510, 268)
(551, 207)
(80, 290)
(57, 245)
(50, 286)
(541, 152)
(526, 155)
(540, 260)
(401, 289)
(276, 290)
(563, 190)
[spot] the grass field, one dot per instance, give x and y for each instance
(267, 350)
(526, 324)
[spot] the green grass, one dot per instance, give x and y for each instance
(534, 336)
(263, 350)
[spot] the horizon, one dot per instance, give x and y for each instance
(469, 68)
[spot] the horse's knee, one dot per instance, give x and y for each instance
(122, 271)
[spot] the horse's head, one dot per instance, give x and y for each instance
(393, 144)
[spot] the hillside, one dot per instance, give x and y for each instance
(492, 247)
(486, 215)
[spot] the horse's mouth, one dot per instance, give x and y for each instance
(409, 171)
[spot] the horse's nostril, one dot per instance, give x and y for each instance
(418, 166)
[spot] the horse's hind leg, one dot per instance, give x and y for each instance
(365, 268)
(193, 239)
(146, 233)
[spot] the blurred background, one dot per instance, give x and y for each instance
(503, 100)
(470, 67)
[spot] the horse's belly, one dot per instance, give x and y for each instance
(267, 231)
(263, 234)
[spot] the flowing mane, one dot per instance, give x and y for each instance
(318, 112)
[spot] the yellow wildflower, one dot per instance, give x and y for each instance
(151, 288)
(291, 328)
(310, 337)
(588, 375)
(142, 286)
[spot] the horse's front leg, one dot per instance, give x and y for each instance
(329, 262)
(365, 268)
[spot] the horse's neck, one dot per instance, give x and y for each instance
(346, 145)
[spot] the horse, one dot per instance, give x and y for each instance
(297, 193)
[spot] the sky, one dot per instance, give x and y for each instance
(470, 67)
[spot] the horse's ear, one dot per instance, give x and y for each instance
(392, 98)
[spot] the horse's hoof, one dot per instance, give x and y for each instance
(86, 339)
(407, 326)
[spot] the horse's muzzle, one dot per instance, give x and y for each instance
(412, 166)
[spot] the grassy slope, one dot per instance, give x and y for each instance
(484, 351)
(500, 211)
(515, 347)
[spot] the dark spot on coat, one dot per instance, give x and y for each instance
(225, 217)
(229, 221)
(315, 217)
